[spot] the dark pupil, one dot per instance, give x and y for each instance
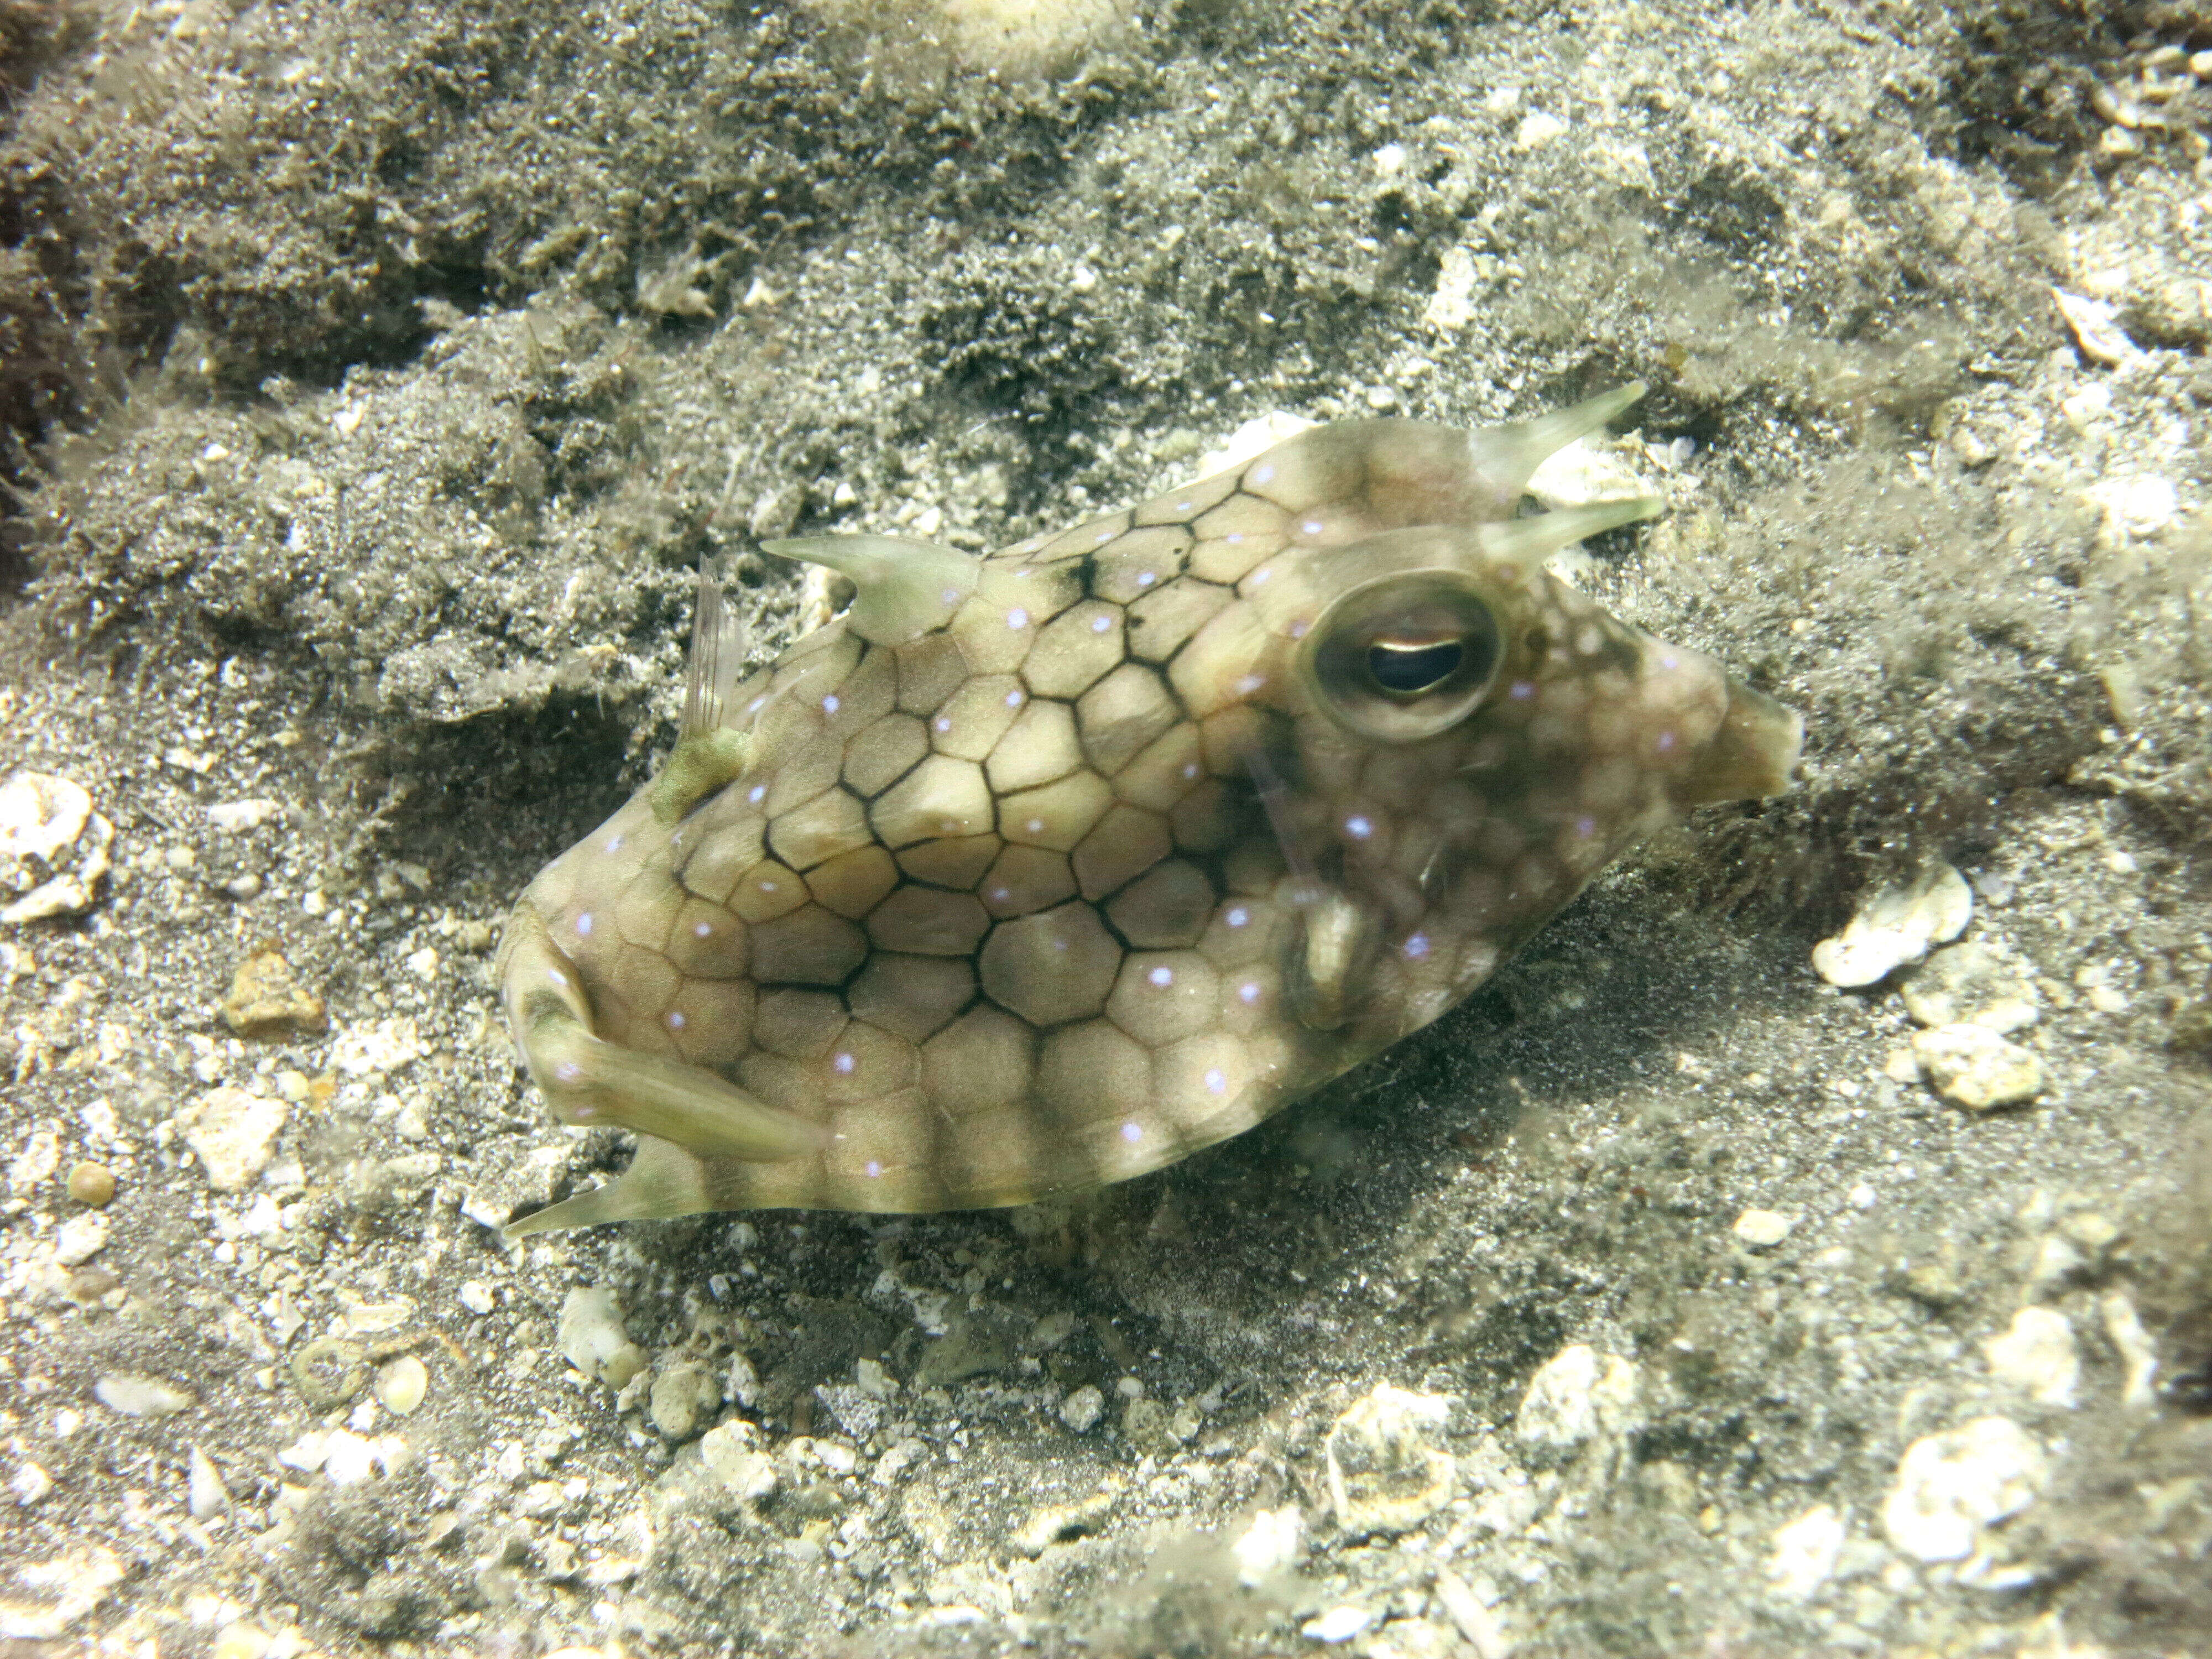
(1405, 668)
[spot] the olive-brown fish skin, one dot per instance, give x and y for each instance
(1040, 872)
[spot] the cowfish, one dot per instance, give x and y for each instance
(1037, 871)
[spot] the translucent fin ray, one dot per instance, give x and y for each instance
(719, 640)
(662, 1181)
(587, 1080)
(906, 587)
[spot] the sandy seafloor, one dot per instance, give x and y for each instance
(394, 365)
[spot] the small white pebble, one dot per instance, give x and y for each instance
(1537, 129)
(1337, 1625)
(1270, 1546)
(1972, 1066)
(2037, 1354)
(401, 1383)
(1762, 1230)
(1083, 1408)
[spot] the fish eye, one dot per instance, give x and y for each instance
(1409, 667)
(1406, 656)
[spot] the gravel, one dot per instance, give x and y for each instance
(387, 373)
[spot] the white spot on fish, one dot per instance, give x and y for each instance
(1311, 526)
(1249, 991)
(1013, 700)
(1235, 538)
(1183, 506)
(1131, 1131)
(1237, 916)
(758, 793)
(1034, 826)
(1358, 828)
(1249, 683)
(951, 596)
(614, 843)
(1190, 768)
(1162, 976)
(568, 1071)
(1100, 624)
(871, 1169)
(1216, 1082)
(1298, 628)
(584, 924)
(844, 1064)
(1585, 827)
(1417, 946)
(1260, 576)
(830, 705)
(674, 1019)
(1521, 690)
(558, 977)
(702, 929)
(1145, 579)
(1664, 742)
(1017, 617)
(1101, 539)
(1264, 473)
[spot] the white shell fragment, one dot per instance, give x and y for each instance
(1951, 1487)
(591, 1337)
(205, 1495)
(1971, 1066)
(2096, 329)
(1901, 923)
(234, 1133)
(1805, 1553)
(1386, 1473)
(2037, 1356)
(57, 1593)
(401, 1383)
(54, 848)
(1578, 1395)
(1762, 1230)
(1337, 1625)
(732, 1451)
(1270, 1546)
(130, 1395)
(1970, 984)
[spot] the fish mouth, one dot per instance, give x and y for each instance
(1752, 756)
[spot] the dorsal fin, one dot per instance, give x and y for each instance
(719, 640)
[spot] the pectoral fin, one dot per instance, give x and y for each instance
(587, 1080)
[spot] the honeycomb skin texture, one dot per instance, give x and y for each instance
(1070, 862)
